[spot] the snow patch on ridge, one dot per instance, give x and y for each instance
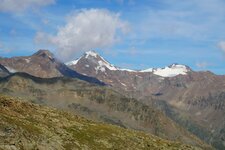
(147, 70)
(74, 62)
(129, 70)
(104, 64)
(91, 53)
(27, 60)
(107, 65)
(171, 71)
(11, 70)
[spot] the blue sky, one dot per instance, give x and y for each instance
(128, 33)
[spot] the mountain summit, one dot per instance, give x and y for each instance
(94, 65)
(44, 53)
(93, 61)
(42, 64)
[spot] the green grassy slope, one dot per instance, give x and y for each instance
(28, 126)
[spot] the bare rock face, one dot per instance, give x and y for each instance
(42, 64)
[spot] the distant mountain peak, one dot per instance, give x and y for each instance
(86, 55)
(44, 53)
(98, 63)
(101, 63)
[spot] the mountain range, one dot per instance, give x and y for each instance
(193, 99)
(174, 102)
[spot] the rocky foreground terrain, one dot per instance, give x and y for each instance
(25, 126)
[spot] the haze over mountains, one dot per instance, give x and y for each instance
(189, 100)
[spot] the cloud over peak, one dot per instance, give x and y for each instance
(85, 30)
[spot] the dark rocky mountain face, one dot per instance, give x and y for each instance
(196, 99)
(3, 71)
(99, 103)
(43, 64)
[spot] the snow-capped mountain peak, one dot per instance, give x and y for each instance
(86, 55)
(91, 59)
(44, 53)
(102, 64)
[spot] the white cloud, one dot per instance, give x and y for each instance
(222, 46)
(21, 5)
(86, 30)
